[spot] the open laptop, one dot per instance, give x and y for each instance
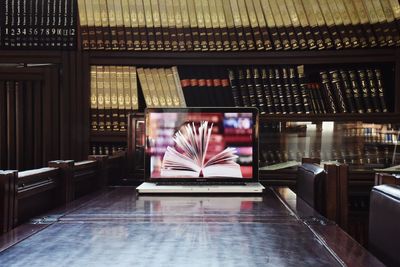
(201, 150)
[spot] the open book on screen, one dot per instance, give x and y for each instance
(189, 160)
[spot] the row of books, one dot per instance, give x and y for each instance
(106, 149)
(38, 24)
(285, 90)
(114, 94)
(237, 25)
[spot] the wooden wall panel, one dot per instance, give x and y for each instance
(3, 125)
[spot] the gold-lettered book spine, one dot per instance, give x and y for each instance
(330, 23)
(164, 25)
(172, 25)
(98, 25)
(186, 25)
(148, 14)
(216, 28)
(114, 79)
(121, 99)
(347, 24)
(100, 73)
(246, 25)
(193, 25)
(323, 27)
(298, 30)
(152, 88)
(157, 25)
(127, 24)
(294, 43)
(337, 18)
(145, 88)
(208, 25)
(113, 25)
(105, 24)
(365, 22)
(267, 43)
(134, 25)
(144, 45)
(223, 25)
(237, 21)
(312, 20)
(387, 32)
(178, 86)
(391, 20)
(158, 87)
(83, 25)
(165, 87)
(200, 23)
(305, 24)
(232, 36)
(356, 23)
(172, 87)
(280, 25)
(93, 99)
(180, 35)
(255, 27)
(127, 92)
(119, 21)
(270, 23)
(133, 85)
(374, 22)
(90, 23)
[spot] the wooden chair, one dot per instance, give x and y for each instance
(384, 221)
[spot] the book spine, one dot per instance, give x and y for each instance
(356, 91)
(223, 27)
(141, 25)
(299, 24)
(180, 35)
(158, 36)
(215, 24)
(126, 24)
(112, 116)
(337, 18)
(113, 25)
(159, 88)
(330, 23)
(247, 31)
(148, 14)
(261, 104)
(250, 88)
(133, 87)
(186, 26)
(212, 93)
(254, 25)
(305, 96)
(164, 25)
(152, 88)
(105, 24)
(364, 90)
(98, 25)
(29, 23)
(178, 87)
(276, 95)
(320, 99)
(373, 90)
(228, 97)
(232, 36)
(172, 25)
(119, 22)
(382, 101)
(121, 109)
(338, 91)
(244, 92)
(281, 92)
(267, 92)
(193, 25)
(91, 26)
(208, 26)
(311, 92)
(286, 45)
(329, 98)
(93, 99)
(238, 26)
(24, 21)
(365, 22)
(18, 25)
(374, 22)
(290, 101)
(294, 86)
(130, 100)
(348, 92)
(100, 74)
(237, 99)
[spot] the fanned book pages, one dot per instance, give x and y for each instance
(188, 159)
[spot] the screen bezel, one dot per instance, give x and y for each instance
(255, 136)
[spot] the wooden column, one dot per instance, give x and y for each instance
(103, 169)
(8, 204)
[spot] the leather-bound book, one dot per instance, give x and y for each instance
(193, 25)
(93, 100)
(90, 23)
(330, 23)
(100, 97)
(298, 29)
(340, 26)
(384, 22)
(356, 23)
(259, 91)
(186, 25)
(105, 24)
(378, 75)
(329, 98)
(113, 25)
(297, 96)
(347, 24)
(208, 24)
(122, 120)
(148, 16)
(304, 92)
(348, 92)
(244, 92)
(223, 27)
(255, 27)
(303, 6)
(287, 92)
(391, 20)
(119, 21)
(376, 22)
(365, 91)
(269, 103)
(365, 22)
(108, 92)
(228, 92)
(277, 97)
(201, 25)
(262, 23)
(270, 24)
(247, 31)
(282, 96)
(321, 100)
(355, 87)
(215, 24)
(179, 25)
(280, 25)
(113, 88)
(98, 25)
(164, 25)
(127, 25)
(211, 93)
(250, 87)
(311, 91)
(237, 99)
(82, 22)
(186, 84)
(144, 44)
(233, 37)
(322, 25)
(373, 91)
(158, 35)
(338, 91)
(294, 43)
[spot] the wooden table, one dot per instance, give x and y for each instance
(117, 227)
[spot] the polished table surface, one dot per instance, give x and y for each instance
(117, 227)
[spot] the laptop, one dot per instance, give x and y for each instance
(201, 150)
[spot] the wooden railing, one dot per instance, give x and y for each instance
(26, 194)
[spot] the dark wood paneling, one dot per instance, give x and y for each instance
(11, 125)
(29, 126)
(3, 126)
(20, 124)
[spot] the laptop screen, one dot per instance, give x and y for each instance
(201, 144)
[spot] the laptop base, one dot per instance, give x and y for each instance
(155, 189)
